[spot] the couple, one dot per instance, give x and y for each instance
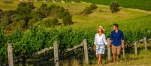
(116, 38)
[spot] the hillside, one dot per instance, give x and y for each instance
(135, 24)
(101, 15)
(136, 4)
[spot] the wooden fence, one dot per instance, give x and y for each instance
(56, 52)
(139, 42)
(82, 44)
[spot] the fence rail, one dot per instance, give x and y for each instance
(82, 44)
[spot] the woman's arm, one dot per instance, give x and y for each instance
(94, 47)
(104, 40)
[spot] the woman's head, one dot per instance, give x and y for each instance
(100, 29)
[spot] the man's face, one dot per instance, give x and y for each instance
(114, 28)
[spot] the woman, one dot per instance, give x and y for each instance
(99, 44)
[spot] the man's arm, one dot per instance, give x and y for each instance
(122, 36)
(109, 45)
(111, 38)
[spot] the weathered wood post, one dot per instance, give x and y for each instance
(135, 45)
(109, 50)
(145, 42)
(123, 52)
(85, 51)
(10, 54)
(56, 56)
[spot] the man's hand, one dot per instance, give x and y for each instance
(123, 46)
(108, 45)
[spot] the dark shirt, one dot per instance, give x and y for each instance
(116, 37)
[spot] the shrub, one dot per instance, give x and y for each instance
(8, 2)
(93, 6)
(31, 5)
(1, 10)
(54, 22)
(63, 14)
(23, 8)
(46, 22)
(7, 16)
(22, 4)
(67, 20)
(21, 24)
(114, 7)
(31, 22)
(50, 22)
(43, 10)
(89, 10)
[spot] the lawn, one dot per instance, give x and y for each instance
(142, 59)
(137, 4)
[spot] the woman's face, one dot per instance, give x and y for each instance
(99, 30)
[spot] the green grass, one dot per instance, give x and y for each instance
(142, 59)
(139, 4)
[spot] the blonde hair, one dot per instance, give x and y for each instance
(101, 29)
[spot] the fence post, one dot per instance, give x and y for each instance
(10, 54)
(56, 58)
(123, 52)
(135, 45)
(85, 51)
(145, 42)
(109, 50)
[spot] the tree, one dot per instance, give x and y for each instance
(54, 22)
(31, 5)
(43, 10)
(1, 10)
(89, 10)
(23, 8)
(114, 7)
(67, 20)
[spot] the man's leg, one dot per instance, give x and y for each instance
(114, 58)
(118, 52)
(114, 50)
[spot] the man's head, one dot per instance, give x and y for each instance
(115, 26)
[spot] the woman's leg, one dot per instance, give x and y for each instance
(99, 59)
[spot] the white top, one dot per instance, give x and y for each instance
(100, 39)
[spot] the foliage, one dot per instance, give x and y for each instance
(114, 7)
(89, 10)
(46, 22)
(1, 10)
(8, 2)
(50, 22)
(24, 16)
(31, 5)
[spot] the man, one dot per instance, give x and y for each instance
(117, 40)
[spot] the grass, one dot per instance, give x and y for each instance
(142, 59)
(138, 4)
